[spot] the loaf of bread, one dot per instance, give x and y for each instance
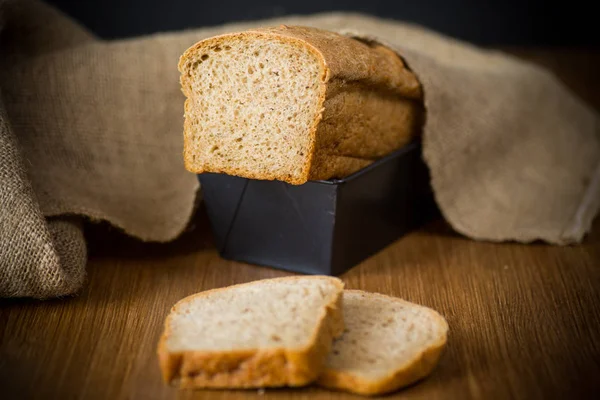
(388, 343)
(294, 104)
(268, 333)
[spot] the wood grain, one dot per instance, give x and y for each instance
(524, 319)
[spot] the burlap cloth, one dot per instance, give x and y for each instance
(91, 129)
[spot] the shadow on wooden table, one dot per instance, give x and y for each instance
(106, 241)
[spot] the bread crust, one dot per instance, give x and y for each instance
(370, 104)
(255, 368)
(412, 371)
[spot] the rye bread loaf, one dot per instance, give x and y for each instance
(267, 333)
(388, 343)
(294, 104)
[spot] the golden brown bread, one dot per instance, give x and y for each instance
(388, 343)
(190, 358)
(357, 102)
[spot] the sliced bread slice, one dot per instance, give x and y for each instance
(388, 343)
(267, 333)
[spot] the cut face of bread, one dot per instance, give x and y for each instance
(293, 104)
(253, 101)
(273, 332)
(388, 343)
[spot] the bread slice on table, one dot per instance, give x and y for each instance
(294, 104)
(267, 333)
(387, 344)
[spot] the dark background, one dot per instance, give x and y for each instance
(508, 22)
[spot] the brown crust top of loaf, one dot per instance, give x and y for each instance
(353, 60)
(342, 57)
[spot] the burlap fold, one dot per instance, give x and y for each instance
(93, 129)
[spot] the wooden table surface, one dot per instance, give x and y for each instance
(524, 319)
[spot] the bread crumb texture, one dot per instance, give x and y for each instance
(273, 332)
(387, 343)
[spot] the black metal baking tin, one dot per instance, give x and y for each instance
(320, 227)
